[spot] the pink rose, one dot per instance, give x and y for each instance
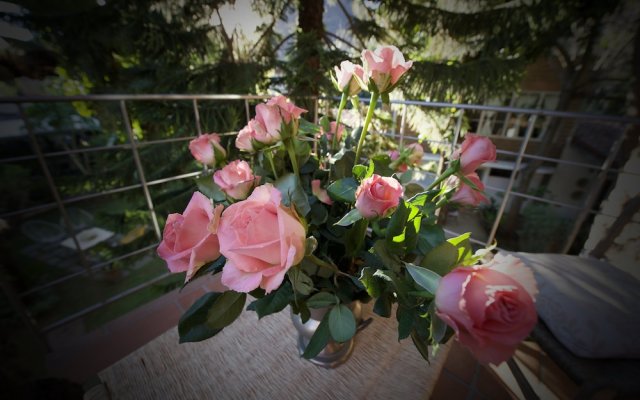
(189, 239)
(384, 67)
(288, 110)
(475, 150)
(466, 194)
(236, 179)
(244, 140)
(266, 125)
(416, 152)
(261, 240)
(207, 150)
(399, 165)
(378, 196)
(332, 131)
(490, 307)
(345, 77)
(320, 193)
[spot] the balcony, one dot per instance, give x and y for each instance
(90, 179)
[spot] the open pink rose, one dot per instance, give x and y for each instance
(384, 67)
(261, 240)
(189, 239)
(207, 150)
(475, 150)
(345, 77)
(378, 196)
(490, 307)
(466, 194)
(236, 179)
(288, 110)
(320, 193)
(244, 139)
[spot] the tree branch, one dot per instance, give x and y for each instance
(351, 24)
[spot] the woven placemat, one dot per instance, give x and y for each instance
(254, 359)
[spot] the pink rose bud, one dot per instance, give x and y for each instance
(345, 77)
(245, 137)
(416, 153)
(466, 194)
(475, 150)
(378, 196)
(384, 67)
(320, 193)
(332, 127)
(236, 179)
(267, 124)
(207, 150)
(490, 307)
(261, 240)
(189, 239)
(288, 110)
(394, 155)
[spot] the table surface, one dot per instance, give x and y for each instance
(258, 359)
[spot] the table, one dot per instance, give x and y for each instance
(254, 359)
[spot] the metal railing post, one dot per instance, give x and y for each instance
(512, 179)
(52, 186)
(196, 115)
(403, 124)
(595, 191)
(139, 168)
(456, 132)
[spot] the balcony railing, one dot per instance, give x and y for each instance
(400, 131)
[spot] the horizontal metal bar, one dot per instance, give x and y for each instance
(102, 304)
(90, 196)
(543, 200)
(128, 97)
(514, 110)
(93, 268)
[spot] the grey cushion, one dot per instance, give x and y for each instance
(590, 306)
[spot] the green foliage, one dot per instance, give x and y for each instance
(209, 315)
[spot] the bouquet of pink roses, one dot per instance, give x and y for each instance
(295, 214)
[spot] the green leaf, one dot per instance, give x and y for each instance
(465, 251)
(420, 344)
(371, 282)
(411, 189)
(318, 214)
(226, 309)
(301, 282)
(405, 318)
(210, 189)
(438, 326)
(209, 315)
(390, 260)
(213, 268)
(354, 237)
(273, 302)
(382, 306)
(307, 128)
(429, 237)
(343, 190)
(397, 222)
(381, 164)
(441, 259)
(342, 323)
(310, 245)
(292, 192)
(359, 171)
(319, 339)
(421, 293)
(425, 278)
(322, 299)
(350, 218)
(343, 166)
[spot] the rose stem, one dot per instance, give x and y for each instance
(367, 121)
(273, 167)
(343, 103)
